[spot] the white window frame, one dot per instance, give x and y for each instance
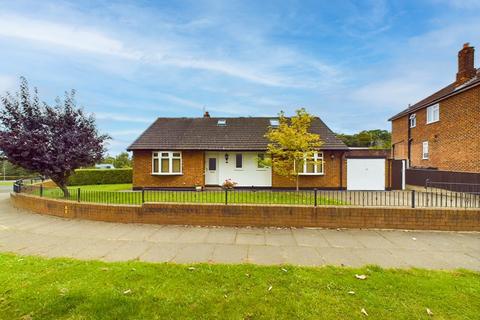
(425, 150)
(260, 166)
(158, 155)
(413, 120)
(433, 113)
(317, 158)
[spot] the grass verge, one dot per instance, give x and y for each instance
(37, 288)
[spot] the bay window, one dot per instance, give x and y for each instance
(166, 162)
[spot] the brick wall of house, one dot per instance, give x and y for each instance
(259, 215)
(400, 138)
(193, 164)
(331, 178)
(454, 141)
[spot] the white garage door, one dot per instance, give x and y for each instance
(365, 174)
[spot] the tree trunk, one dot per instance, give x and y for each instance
(298, 178)
(63, 186)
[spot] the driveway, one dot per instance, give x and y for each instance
(32, 234)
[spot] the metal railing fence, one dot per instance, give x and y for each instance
(433, 198)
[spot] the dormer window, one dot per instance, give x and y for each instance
(413, 120)
(221, 122)
(274, 123)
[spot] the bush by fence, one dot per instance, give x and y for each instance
(98, 176)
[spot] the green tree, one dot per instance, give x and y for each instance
(291, 144)
(376, 139)
(121, 160)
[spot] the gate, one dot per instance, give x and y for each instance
(398, 174)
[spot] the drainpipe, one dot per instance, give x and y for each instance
(341, 170)
(409, 144)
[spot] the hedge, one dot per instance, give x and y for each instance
(100, 176)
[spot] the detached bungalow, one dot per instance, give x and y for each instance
(189, 152)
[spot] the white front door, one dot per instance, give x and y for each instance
(211, 168)
(365, 174)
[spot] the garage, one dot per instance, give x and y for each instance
(366, 173)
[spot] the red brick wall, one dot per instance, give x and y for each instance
(192, 169)
(258, 215)
(331, 178)
(454, 141)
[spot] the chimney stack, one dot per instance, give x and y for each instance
(206, 114)
(466, 65)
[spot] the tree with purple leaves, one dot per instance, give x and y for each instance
(53, 141)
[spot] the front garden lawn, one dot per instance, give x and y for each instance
(122, 194)
(37, 288)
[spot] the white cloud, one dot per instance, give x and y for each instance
(122, 117)
(69, 36)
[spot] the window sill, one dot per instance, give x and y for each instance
(433, 122)
(311, 174)
(168, 174)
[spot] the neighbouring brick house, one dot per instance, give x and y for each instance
(189, 152)
(442, 131)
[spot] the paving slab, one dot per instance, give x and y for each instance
(229, 253)
(27, 233)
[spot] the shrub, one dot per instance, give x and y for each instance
(100, 176)
(229, 184)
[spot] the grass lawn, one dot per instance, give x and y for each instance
(37, 288)
(6, 183)
(115, 193)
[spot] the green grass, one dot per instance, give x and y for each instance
(112, 193)
(6, 183)
(37, 288)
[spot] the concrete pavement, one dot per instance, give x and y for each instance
(31, 234)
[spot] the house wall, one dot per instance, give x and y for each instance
(454, 141)
(331, 178)
(400, 138)
(192, 168)
(247, 176)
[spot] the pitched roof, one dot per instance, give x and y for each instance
(244, 133)
(438, 96)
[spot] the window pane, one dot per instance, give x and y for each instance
(164, 154)
(261, 157)
(165, 165)
(176, 154)
(155, 154)
(310, 167)
(176, 165)
(155, 165)
(320, 166)
(212, 164)
(238, 160)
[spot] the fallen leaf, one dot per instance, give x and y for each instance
(364, 312)
(270, 288)
(128, 291)
(361, 276)
(351, 292)
(248, 275)
(414, 238)
(225, 296)
(284, 270)
(429, 312)
(133, 269)
(191, 268)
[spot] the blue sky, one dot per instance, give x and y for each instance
(353, 63)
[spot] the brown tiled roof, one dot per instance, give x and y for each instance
(443, 93)
(244, 133)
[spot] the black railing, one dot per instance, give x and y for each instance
(420, 199)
